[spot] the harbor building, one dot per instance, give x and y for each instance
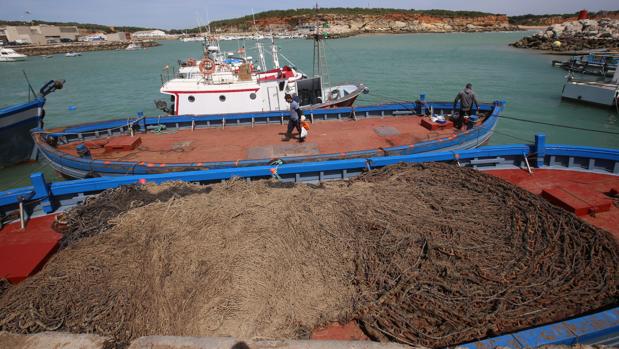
(119, 36)
(41, 34)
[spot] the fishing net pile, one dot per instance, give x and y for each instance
(429, 255)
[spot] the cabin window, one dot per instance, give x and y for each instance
(282, 84)
(252, 96)
(191, 99)
(222, 98)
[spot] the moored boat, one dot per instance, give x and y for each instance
(183, 143)
(72, 54)
(16, 121)
(9, 55)
(220, 83)
(595, 63)
(602, 93)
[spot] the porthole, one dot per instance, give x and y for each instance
(191, 99)
(252, 96)
(222, 98)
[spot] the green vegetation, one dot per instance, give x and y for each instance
(541, 19)
(88, 26)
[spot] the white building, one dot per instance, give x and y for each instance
(149, 34)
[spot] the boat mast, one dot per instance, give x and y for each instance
(274, 52)
(320, 59)
(263, 64)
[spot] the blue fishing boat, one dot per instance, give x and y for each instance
(595, 63)
(530, 166)
(147, 145)
(16, 121)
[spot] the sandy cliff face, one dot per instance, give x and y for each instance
(389, 23)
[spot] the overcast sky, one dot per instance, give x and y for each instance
(181, 14)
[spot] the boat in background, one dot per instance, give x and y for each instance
(603, 93)
(192, 39)
(133, 47)
(73, 54)
(186, 143)
(16, 121)
(595, 63)
(9, 55)
(222, 83)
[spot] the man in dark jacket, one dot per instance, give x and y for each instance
(294, 121)
(467, 100)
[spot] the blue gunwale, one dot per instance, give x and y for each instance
(17, 108)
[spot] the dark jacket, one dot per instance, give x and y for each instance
(466, 98)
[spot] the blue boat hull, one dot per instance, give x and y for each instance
(76, 167)
(16, 143)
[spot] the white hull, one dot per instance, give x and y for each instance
(591, 92)
(9, 55)
(7, 59)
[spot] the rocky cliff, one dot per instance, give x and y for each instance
(346, 24)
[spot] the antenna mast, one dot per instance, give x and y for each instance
(320, 59)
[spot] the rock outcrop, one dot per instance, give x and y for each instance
(575, 36)
(346, 25)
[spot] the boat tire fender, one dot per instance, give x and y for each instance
(207, 66)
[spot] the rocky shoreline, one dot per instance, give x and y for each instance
(579, 35)
(38, 50)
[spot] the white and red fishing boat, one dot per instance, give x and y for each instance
(220, 83)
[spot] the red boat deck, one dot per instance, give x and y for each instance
(24, 252)
(581, 190)
(263, 141)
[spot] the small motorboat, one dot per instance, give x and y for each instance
(133, 47)
(72, 54)
(595, 63)
(9, 55)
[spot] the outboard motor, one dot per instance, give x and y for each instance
(51, 86)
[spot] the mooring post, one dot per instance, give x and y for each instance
(540, 149)
(42, 192)
(422, 104)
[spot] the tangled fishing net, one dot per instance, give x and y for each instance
(429, 255)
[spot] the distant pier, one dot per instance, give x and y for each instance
(37, 50)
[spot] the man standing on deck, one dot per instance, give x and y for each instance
(467, 99)
(294, 121)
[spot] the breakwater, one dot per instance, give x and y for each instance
(585, 34)
(37, 50)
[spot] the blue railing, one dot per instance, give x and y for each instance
(540, 154)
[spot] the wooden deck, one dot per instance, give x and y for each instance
(265, 141)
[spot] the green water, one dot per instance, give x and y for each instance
(117, 84)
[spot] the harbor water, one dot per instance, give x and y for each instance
(119, 84)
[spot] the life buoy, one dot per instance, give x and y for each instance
(207, 66)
